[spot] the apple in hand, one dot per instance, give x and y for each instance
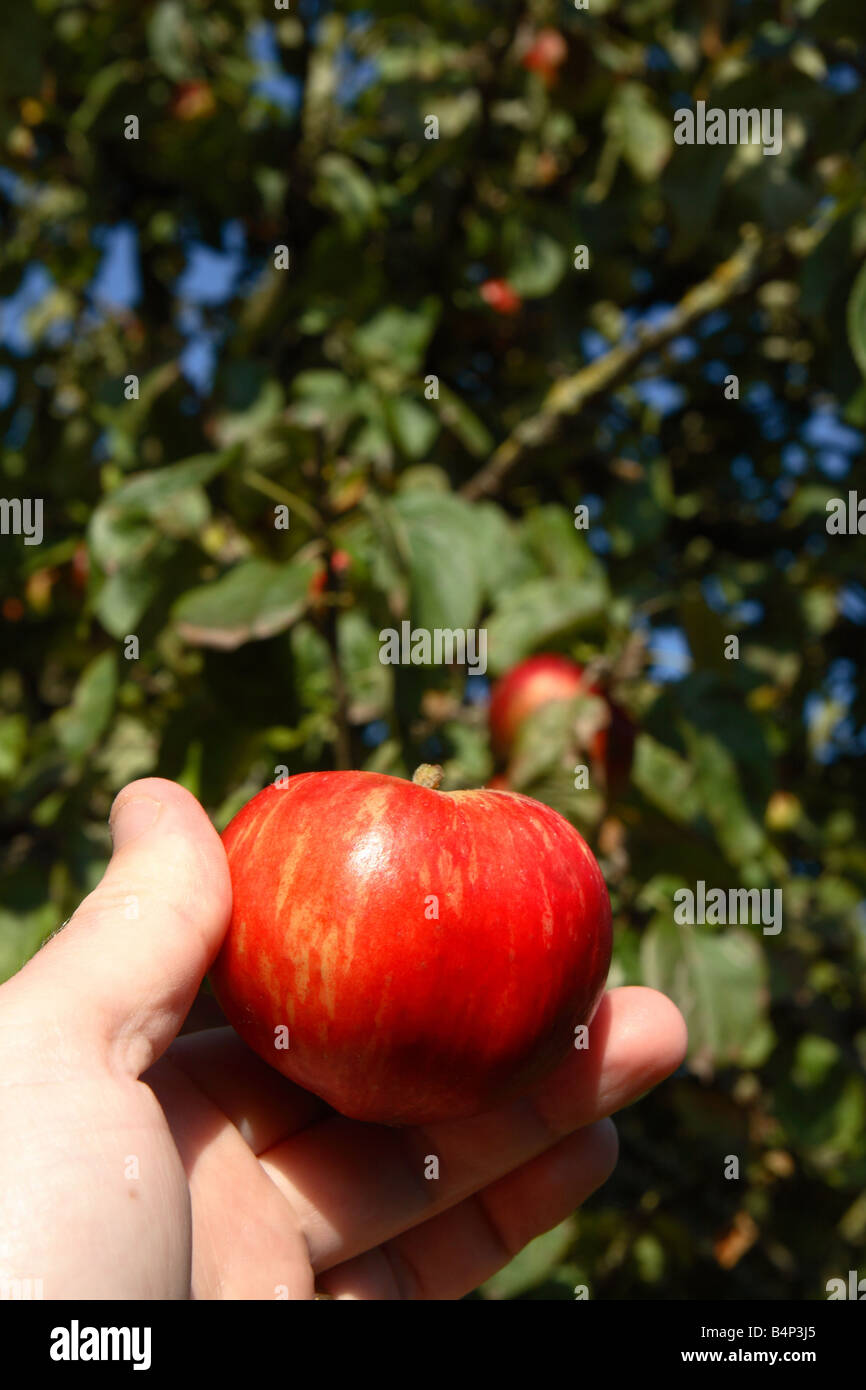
(550, 676)
(425, 954)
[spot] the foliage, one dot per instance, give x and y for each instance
(308, 388)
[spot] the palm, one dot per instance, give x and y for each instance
(284, 1191)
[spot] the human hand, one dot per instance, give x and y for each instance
(135, 1164)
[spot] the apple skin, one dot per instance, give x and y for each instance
(550, 676)
(394, 1016)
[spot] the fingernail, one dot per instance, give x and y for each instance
(131, 818)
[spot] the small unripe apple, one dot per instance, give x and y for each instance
(783, 812)
(425, 955)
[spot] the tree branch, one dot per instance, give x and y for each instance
(566, 398)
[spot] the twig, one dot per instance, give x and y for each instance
(568, 397)
(330, 604)
(277, 493)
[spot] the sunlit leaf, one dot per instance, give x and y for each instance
(254, 600)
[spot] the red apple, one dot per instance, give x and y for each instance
(501, 297)
(525, 688)
(549, 676)
(80, 566)
(548, 52)
(430, 953)
(498, 783)
(341, 560)
(192, 100)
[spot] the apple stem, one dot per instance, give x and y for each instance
(428, 775)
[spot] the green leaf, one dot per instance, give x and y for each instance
(322, 386)
(822, 1105)
(470, 764)
(251, 422)
(99, 92)
(172, 41)
(718, 782)
(549, 738)
(857, 319)
(537, 262)
(550, 743)
(84, 721)
(541, 611)
(325, 399)
(559, 548)
(126, 596)
(504, 561)
(313, 681)
(168, 501)
(444, 572)
(456, 112)
(644, 135)
(414, 426)
(718, 981)
(344, 187)
(130, 750)
(13, 743)
(665, 779)
(657, 893)
(462, 422)
(254, 600)
(398, 337)
(369, 683)
(533, 1264)
(155, 494)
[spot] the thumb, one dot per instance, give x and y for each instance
(126, 967)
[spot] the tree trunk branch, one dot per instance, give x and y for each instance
(566, 398)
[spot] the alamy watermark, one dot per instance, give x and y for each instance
(22, 1290)
(438, 646)
(22, 516)
(77, 1343)
(738, 126)
(846, 516)
(718, 906)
